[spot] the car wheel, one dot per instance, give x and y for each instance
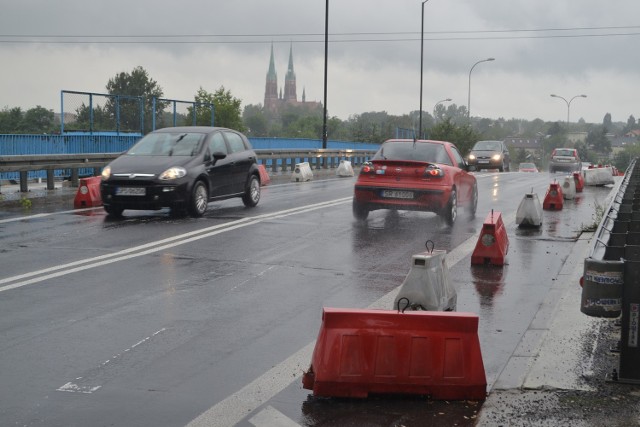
(113, 210)
(251, 195)
(451, 210)
(473, 205)
(199, 199)
(360, 212)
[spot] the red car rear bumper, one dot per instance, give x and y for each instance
(430, 200)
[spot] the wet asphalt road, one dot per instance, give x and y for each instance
(152, 320)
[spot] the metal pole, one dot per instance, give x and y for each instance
(326, 54)
(421, 67)
(568, 102)
(469, 95)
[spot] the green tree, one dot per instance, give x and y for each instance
(631, 124)
(11, 120)
(462, 136)
(606, 122)
(255, 121)
(597, 139)
(138, 83)
(38, 120)
(227, 109)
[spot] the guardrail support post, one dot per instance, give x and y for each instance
(50, 180)
(24, 187)
(74, 177)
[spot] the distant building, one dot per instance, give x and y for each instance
(532, 146)
(274, 100)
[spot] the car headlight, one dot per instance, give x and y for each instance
(173, 173)
(106, 173)
(472, 157)
(496, 156)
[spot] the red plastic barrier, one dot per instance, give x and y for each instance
(553, 200)
(493, 243)
(362, 352)
(264, 175)
(88, 194)
(579, 180)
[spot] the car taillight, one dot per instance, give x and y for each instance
(433, 172)
(366, 168)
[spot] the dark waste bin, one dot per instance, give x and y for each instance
(602, 288)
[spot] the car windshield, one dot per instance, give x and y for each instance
(168, 144)
(568, 152)
(414, 151)
(487, 145)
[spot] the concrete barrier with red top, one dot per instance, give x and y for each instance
(88, 194)
(360, 352)
(493, 243)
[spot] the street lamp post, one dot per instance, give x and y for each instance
(469, 96)
(568, 102)
(326, 51)
(438, 103)
(421, 66)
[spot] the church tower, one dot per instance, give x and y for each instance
(290, 81)
(271, 87)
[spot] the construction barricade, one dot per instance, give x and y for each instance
(302, 172)
(493, 243)
(428, 286)
(529, 213)
(345, 169)
(265, 179)
(579, 180)
(88, 194)
(568, 188)
(360, 352)
(553, 200)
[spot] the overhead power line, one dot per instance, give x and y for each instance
(355, 37)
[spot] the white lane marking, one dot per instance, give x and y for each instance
(75, 388)
(271, 417)
(78, 387)
(42, 215)
(234, 408)
(156, 246)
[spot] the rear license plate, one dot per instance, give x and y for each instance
(395, 194)
(130, 191)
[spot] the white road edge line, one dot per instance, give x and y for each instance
(235, 407)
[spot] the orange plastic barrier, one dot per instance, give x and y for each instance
(361, 352)
(579, 180)
(264, 175)
(88, 194)
(493, 243)
(553, 200)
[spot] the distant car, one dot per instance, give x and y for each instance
(490, 155)
(420, 175)
(527, 167)
(183, 168)
(565, 159)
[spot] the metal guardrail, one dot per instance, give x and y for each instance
(275, 160)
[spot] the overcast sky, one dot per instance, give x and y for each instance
(564, 47)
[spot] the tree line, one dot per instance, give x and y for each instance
(449, 122)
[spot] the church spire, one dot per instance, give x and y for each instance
(271, 86)
(290, 80)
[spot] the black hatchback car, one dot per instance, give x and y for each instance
(183, 168)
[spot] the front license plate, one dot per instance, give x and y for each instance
(483, 161)
(396, 194)
(130, 191)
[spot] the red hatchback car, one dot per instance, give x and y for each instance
(421, 175)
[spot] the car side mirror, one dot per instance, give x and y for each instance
(219, 155)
